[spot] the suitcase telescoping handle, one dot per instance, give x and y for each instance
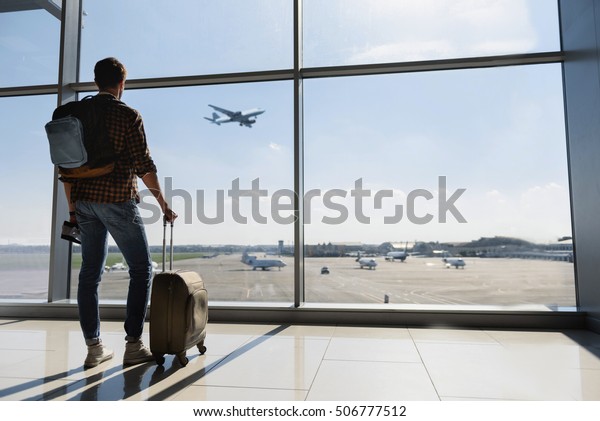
(164, 250)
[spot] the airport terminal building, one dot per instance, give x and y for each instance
(397, 188)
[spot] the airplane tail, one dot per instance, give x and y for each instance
(248, 259)
(214, 118)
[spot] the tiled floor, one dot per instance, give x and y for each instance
(42, 360)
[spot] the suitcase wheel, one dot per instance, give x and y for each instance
(159, 358)
(201, 348)
(183, 360)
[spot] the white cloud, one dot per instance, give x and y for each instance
(538, 213)
(495, 196)
(434, 29)
(406, 50)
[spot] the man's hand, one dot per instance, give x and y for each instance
(169, 215)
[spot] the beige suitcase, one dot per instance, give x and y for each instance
(178, 311)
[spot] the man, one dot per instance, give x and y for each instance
(108, 205)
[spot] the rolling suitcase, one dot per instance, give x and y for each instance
(178, 310)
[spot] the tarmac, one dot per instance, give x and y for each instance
(417, 281)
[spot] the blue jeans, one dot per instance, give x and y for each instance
(123, 222)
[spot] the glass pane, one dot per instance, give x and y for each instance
(29, 43)
(187, 37)
(449, 165)
(343, 32)
(26, 208)
(230, 184)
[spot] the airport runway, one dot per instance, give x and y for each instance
(422, 281)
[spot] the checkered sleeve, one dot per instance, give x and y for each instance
(138, 148)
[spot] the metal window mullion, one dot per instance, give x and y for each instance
(434, 65)
(319, 72)
(196, 80)
(28, 90)
(299, 285)
(59, 278)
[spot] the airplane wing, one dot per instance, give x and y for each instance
(223, 110)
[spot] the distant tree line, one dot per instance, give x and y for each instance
(483, 247)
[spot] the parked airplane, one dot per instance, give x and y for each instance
(118, 266)
(123, 266)
(396, 255)
(263, 264)
(456, 262)
(244, 118)
(366, 262)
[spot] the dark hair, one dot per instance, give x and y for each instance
(109, 72)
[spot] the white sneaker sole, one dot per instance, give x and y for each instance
(88, 364)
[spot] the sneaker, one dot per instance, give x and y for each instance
(97, 354)
(136, 353)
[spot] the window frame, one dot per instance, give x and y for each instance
(68, 87)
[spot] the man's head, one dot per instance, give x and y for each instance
(109, 75)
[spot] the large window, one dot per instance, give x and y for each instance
(231, 185)
(342, 32)
(183, 37)
(427, 137)
(29, 43)
(26, 206)
(463, 164)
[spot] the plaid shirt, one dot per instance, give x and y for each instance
(126, 131)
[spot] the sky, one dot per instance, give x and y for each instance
(496, 133)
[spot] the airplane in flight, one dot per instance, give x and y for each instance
(244, 118)
(263, 264)
(366, 262)
(456, 262)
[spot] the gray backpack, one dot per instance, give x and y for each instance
(78, 138)
(65, 136)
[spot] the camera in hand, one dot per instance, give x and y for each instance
(70, 232)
